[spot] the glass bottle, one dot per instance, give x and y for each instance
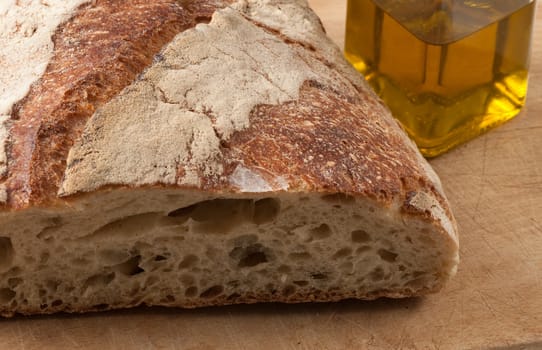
(448, 69)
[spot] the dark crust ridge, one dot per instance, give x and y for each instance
(98, 52)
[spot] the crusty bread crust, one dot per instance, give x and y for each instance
(85, 74)
(98, 52)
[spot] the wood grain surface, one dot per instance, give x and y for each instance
(494, 184)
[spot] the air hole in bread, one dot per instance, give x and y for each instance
(342, 253)
(234, 296)
(221, 215)
(160, 258)
(377, 274)
(98, 281)
(127, 226)
(299, 256)
(191, 292)
(6, 295)
(288, 290)
(360, 236)
(339, 198)
(253, 259)
(386, 255)
(52, 285)
(203, 19)
(212, 292)
(14, 282)
(189, 261)
(234, 283)
(363, 249)
(44, 257)
(113, 256)
(416, 274)
(14, 271)
(319, 276)
(250, 256)
(6, 253)
(301, 283)
(51, 226)
(266, 210)
(264, 272)
(130, 267)
(188, 280)
(56, 303)
(183, 212)
(321, 232)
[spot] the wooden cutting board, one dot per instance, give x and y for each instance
(495, 186)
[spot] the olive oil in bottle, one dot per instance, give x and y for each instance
(448, 69)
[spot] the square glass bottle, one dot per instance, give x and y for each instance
(448, 69)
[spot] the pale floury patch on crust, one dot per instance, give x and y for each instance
(295, 20)
(181, 108)
(250, 180)
(290, 17)
(139, 139)
(26, 46)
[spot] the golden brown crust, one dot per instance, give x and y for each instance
(97, 53)
(105, 46)
(329, 142)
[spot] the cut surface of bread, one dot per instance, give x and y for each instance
(209, 153)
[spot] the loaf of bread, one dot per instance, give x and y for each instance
(202, 152)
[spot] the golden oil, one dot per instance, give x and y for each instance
(448, 69)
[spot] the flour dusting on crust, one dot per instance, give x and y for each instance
(167, 127)
(26, 46)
